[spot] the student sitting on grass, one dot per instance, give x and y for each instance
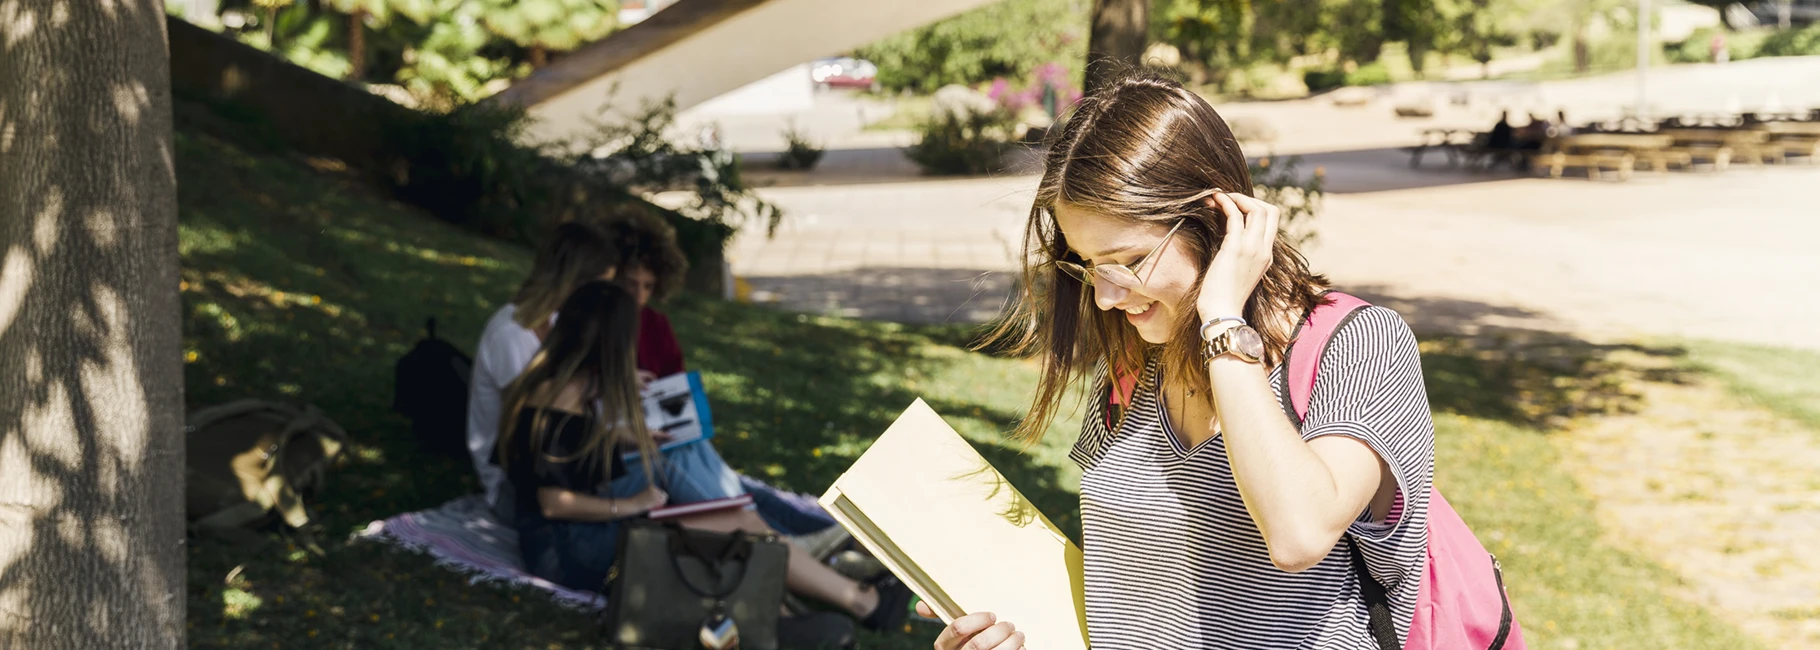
(573, 254)
(651, 267)
(569, 415)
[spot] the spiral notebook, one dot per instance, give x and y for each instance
(948, 524)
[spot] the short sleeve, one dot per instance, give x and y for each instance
(1370, 388)
(658, 351)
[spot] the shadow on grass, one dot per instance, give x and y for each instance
(1513, 365)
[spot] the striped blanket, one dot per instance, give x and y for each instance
(464, 535)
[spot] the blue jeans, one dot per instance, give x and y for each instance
(573, 554)
(695, 472)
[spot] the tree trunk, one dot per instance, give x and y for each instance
(357, 45)
(91, 372)
(539, 56)
(1117, 40)
(1582, 53)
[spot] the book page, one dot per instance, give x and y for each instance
(947, 523)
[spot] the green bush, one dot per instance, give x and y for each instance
(1280, 183)
(1001, 39)
(1371, 74)
(1697, 47)
(468, 167)
(799, 152)
(952, 144)
(1792, 42)
(1323, 80)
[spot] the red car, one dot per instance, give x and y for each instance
(844, 72)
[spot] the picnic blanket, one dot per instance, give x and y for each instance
(463, 535)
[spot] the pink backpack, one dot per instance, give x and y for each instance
(1461, 602)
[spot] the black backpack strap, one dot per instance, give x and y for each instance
(1377, 601)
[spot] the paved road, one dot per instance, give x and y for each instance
(1721, 256)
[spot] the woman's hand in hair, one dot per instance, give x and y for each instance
(1243, 256)
(976, 631)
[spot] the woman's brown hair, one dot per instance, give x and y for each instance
(592, 343)
(574, 253)
(1143, 150)
(643, 243)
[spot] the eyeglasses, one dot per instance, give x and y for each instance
(1117, 275)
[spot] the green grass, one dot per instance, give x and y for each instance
(305, 286)
(1779, 379)
(912, 111)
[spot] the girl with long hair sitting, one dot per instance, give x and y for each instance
(567, 417)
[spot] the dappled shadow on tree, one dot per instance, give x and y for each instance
(1516, 365)
(91, 421)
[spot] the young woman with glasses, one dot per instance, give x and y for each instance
(1210, 518)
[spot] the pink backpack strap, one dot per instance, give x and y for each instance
(1311, 345)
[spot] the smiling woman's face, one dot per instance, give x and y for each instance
(1168, 275)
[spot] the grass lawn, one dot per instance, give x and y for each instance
(305, 286)
(1779, 379)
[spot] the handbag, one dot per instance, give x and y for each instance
(674, 588)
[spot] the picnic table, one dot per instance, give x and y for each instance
(1451, 141)
(1598, 151)
(1792, 138)
(1724, 145)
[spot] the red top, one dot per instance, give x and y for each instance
(658, 351)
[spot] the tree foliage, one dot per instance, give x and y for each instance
(444, 52)
(1003, 39)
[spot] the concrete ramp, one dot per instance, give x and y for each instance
(699, 49)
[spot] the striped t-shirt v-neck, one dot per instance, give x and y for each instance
(1174, 560)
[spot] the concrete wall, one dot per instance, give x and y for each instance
(733, 51)
(790, 91)
(311, 113)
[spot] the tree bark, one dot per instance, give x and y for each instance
(357, 45)
(540, 57)
(1117, 40)
(91, 372)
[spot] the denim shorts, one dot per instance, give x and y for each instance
(573, 554)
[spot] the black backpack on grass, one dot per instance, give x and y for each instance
(430, 388)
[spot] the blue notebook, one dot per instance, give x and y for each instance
(676, 411)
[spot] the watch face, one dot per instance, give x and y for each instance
(1246, 342)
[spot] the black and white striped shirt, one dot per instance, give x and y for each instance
(1173, 559)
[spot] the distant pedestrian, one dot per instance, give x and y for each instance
(1721, 54)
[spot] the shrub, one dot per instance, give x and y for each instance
(957, 142)
(468, 167)
(799, 152)
(637, 154)
(1323, 80)
(1697, 47)
(1792, 42)
(1370, 74)
(1278, 182)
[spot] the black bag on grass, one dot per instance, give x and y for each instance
(430, 387)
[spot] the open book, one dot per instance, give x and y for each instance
(928, 506)
(676, 408)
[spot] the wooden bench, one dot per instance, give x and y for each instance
(1746, 145)
(1557, 162)
(1792, 139)
(1618, 151)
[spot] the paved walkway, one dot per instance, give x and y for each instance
(1701, 255)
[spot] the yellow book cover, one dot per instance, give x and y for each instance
(924, 502)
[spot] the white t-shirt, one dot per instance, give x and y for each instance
(505, 349)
